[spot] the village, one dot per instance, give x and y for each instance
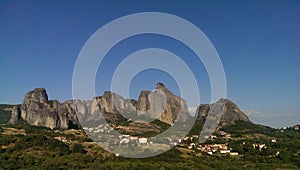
(212, 147)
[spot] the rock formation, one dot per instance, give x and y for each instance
(38, 110)
(15, 114)
(109, 106)
(162, 104)
(225, 108)
(143, 103)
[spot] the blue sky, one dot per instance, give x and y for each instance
(257, 41)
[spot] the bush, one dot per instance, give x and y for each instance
(78, 148)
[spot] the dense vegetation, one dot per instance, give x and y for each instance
(39, 149)
(242, 127)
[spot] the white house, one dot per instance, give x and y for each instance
(143, 141)
(124, 140)
(259, 146)
(234, 153)
(133, 138)
(213, 137)
(224, 151)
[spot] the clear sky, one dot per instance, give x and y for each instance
(258, 43)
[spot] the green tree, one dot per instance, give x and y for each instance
(78, 148)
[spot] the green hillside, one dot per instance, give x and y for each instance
(29, 147)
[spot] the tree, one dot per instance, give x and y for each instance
(78, 148)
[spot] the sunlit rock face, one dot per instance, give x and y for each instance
(162, 104)
(15, 114)
(228, 111)
(159, 104)
(38, 110)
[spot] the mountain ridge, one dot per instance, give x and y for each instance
(38, 110)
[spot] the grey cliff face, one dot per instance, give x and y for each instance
(202, 111)
(15, 115)
(143, 103)
(38, 110)
(108, 106)
(111, 105)
(174, 107)
(226, 108)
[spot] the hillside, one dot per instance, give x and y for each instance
(37, 147)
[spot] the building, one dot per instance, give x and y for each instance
(213, 137)
(227, 136)
(220, 146)
(224, 151)
(234, 153)
(143, 141)
(61, 138)
(124, 141)
(186, 138)
(133, 138)
(259, 146)
(195, 136)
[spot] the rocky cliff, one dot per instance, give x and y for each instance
(108, 106)
(15, 114)
(162, 104)
(38, 110)
(224, 108)
(159, 104)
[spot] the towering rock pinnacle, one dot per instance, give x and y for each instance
(143, 103)
(174, 108)
(38, 94)
(15, 115)
(38, 110)
(161, 86)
